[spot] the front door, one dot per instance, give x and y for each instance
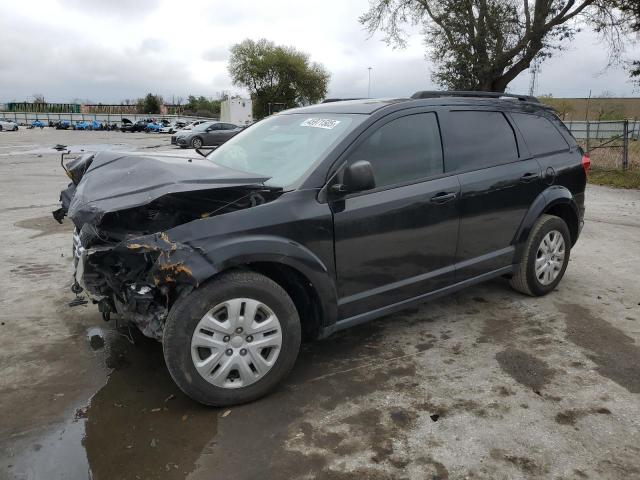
(397, 241)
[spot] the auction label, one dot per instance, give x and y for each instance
(326, 123)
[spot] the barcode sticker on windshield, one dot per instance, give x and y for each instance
(320, 123)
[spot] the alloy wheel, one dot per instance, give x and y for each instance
(550, 257)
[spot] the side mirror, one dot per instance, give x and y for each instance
(358, 177)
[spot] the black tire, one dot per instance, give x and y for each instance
(189, 310)
(196, 142)
(0, 128)
(524, 279)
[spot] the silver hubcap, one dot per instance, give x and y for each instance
(550, 257)
(197, 143)
(236, 343)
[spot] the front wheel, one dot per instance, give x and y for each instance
(545, 257)
(232, 340)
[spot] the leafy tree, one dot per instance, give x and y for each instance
(202, 106)
(631, 9)
(276, 74)
(150, 104)
(485, 44)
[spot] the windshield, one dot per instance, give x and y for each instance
(284, 147)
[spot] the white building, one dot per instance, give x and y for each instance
(237, 111)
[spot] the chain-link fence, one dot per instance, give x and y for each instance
(611, 144)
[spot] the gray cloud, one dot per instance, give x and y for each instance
(127, 48)
(216, 54)
(123, 9)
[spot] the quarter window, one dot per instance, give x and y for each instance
(476, 140)
(402, 150)
(539, 134)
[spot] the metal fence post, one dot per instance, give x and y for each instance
(588, 131)
(625, 145)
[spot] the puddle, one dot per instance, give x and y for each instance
(140, 425)
(45, 225)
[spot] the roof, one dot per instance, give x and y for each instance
(365, 106)
(368, 106)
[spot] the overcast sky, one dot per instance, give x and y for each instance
(110, 50)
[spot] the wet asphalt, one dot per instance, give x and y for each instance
(485, 383)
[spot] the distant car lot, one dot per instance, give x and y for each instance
(483, 384)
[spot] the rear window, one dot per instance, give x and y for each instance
(478, 140)
(540, 134)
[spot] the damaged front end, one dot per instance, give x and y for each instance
(123, 207)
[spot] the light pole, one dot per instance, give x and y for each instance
(369, 87)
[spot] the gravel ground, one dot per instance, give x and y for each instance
(485, 383)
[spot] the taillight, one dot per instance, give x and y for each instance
(586, 163)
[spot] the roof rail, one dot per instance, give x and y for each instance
(438, 94)
(331, 100)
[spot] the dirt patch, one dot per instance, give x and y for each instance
(525, 464)
(569, 417)
(35, 270)
(496, 330)
(615, 353)
(524, 368)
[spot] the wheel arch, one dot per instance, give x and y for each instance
(556, 200)
(307, 280)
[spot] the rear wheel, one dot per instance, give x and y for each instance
(232, 340)
(545, 257)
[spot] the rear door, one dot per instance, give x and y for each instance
(397, 241)
(499, 180)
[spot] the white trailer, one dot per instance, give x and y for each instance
(237, 111)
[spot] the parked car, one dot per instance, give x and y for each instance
(207, 134)
(62, 125)
(173, 127)
(192, 125)
(88, 125)
(36, 124)
(129, 126)
(321, 218)
(8, 125)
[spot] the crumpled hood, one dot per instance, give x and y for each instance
(115, 181)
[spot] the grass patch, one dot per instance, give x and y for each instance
(615, 178)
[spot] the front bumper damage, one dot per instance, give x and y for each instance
(139, 278)
(125, 259)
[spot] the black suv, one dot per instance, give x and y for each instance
(320, 218)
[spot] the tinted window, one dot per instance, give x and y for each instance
(539, 133)
(405, 149)
(476, 140)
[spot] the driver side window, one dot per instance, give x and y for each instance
(402, 150)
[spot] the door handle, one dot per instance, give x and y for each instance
(443, 197)
(529, 176)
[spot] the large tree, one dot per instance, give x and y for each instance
(485, 44)
(277, 75)
(631, 9)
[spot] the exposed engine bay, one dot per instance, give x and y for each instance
(124, 206)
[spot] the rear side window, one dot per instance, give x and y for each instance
(539, 134)
(478, 140)
(405, 149)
